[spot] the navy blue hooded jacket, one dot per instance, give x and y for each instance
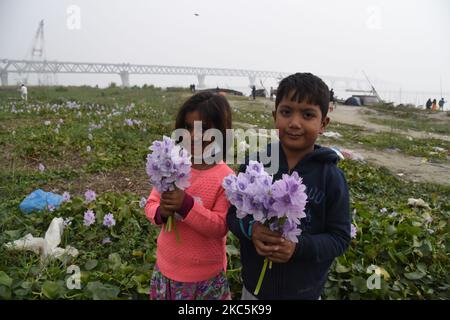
(325, 231)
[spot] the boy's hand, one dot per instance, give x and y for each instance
(172, 200)
(284, 253)
(266, 241)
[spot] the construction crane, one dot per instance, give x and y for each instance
(37, 53)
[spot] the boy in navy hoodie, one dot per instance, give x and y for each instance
(300, 269)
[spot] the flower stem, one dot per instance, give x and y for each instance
(270, 264)
(261, 277)
(169, 224)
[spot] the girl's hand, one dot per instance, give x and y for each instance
(164, 212)
(172, 200)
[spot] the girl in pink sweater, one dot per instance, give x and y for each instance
(194, 267)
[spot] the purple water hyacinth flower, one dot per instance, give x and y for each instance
(143, 202)
(168, 165)
(109, 221)
(89, 218)
(41, 167)
(67, 222)
(90, 196)
(290, 197)
(353, 231)
(51, 208)
(291, 231)
(106, 240)
(66, 196)
(280, 204)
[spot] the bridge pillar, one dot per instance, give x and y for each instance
(4, 78)
(252, 80)
(201, 80)
(125, 76)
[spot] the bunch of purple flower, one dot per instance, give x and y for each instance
(280, 205)
(168, 165)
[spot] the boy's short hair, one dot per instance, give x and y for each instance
(307, 88)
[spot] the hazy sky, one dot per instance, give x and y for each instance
(405, 42)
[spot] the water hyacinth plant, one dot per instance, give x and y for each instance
(279, 205)
(168, 166)
(89, 196)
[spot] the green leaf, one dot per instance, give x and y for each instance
(360, 284)
(115, 261)
(390, 230)
(342, 269)
(21, 292)
(102, 291)
(232, 250)
(5, 279)
(414, 275)
(354, 296)
(90, 264)
(13, 234)
(5, 292)
(90, 235)
(142, 290)
(52, 289)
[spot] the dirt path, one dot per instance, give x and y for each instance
(407, 167)
(412, 168)
(355, 116)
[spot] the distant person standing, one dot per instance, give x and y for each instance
(332, 104)
(428, 104)
(441, 104)
(23, 92)
(434, 105)
(254, 92)
(271, 93)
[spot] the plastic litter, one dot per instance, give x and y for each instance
(332, 134)
(47, 247)
(347, 154)
(418, 203)
(39, 200)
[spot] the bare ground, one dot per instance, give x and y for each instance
(408, 167)
(356, 116)
(415, 169)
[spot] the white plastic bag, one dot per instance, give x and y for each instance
(48, 246)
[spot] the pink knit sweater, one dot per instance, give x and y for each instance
(201, 252)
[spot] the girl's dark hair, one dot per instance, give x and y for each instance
(307, 88)
(214, 110)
